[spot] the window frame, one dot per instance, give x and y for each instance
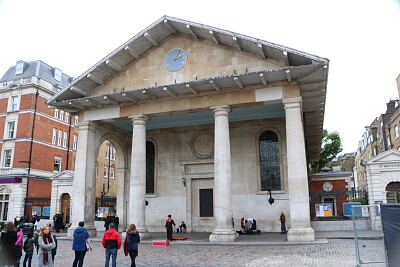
(65, 137)
(281, 163)
(13, 105)
(8, 152)
(56, 113)
(57, 74)
(59, 137)
(54, 137)
(75, 142)
(57, 157)
(8, 130)
(19, 68)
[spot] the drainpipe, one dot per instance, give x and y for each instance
(30, 152)
(69, 140)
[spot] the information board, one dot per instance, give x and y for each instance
(102, 212)
(348, 210)
(324, 209)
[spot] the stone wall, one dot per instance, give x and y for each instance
(340, 225)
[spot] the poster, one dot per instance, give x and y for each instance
(364, 211)
(323, 210)
(46, 211)
(102, 212)
(319, 210)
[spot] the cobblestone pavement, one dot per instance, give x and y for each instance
(338, 252)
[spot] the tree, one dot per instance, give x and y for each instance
(330, 147)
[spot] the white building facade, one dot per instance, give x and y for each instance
(207, 126)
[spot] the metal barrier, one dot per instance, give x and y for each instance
(362, 238)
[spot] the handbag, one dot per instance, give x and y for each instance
(88, 246)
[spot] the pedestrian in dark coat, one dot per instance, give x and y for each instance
(168, 225)
(79, 244)
(132, 241)
(116, 222)
(29, 247)
(8, 239)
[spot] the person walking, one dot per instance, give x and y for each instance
(168, 225)
(79, 244)
(116, 222)
(132, 241)
(29, 247)
(111, 242)
(8, 239)
(18, 244)
(282, 218)
(46, 244)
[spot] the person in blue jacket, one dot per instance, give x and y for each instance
(79, 244)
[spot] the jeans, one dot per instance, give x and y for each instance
(132, 254)
(111, 252)
(283, 228)
(28, 258)
(79, 256)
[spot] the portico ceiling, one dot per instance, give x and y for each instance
(307, 70)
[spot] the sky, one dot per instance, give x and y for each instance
(361, 38)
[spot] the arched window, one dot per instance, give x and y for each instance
(269, 161)
(150, 167)
(4, 201)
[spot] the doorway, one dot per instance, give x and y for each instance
(393, 192)
(202, 205)
(66, 208)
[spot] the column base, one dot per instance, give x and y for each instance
(144, 234)
(301, 235)
(223, 236)
(92, 230)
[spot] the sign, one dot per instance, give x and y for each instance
(102, 212)
(364, 211)
(324, 209)
(348, 211)
(378, 208)
(46, 211)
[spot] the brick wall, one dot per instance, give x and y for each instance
(39, 188)
(3, 104)
(42, 156)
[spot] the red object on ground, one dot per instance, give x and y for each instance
(160, 242)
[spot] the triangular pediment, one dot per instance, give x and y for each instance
(298, 65)
(63, 176)
(390, 156)
(197, 60)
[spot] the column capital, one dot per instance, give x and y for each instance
(86, 125)
(222, 110)
(139, 119)
(293, 102)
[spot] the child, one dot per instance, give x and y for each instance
(28, 248)
(18, 244)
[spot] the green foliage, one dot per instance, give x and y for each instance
(330, 147)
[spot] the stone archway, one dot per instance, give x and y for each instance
(393, 192)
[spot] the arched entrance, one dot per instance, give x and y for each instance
(393, 192)
(66, 207)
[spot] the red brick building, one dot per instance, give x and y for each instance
(35, 141)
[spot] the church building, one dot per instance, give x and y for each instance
(208, 125)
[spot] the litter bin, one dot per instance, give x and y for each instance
(28, 228)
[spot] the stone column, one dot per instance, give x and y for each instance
(137, 192)
(84, 184)
(300, 229)
(223, 213)
(121, 201)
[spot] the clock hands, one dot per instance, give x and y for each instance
(178, 55)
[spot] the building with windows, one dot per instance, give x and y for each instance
(208, 125)
(36, 141)
(377, 162)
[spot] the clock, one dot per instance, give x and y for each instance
(175, 59)
(327, 186)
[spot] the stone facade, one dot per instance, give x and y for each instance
(205, 122)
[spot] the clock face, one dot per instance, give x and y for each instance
(327, 186)
(175, 59)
